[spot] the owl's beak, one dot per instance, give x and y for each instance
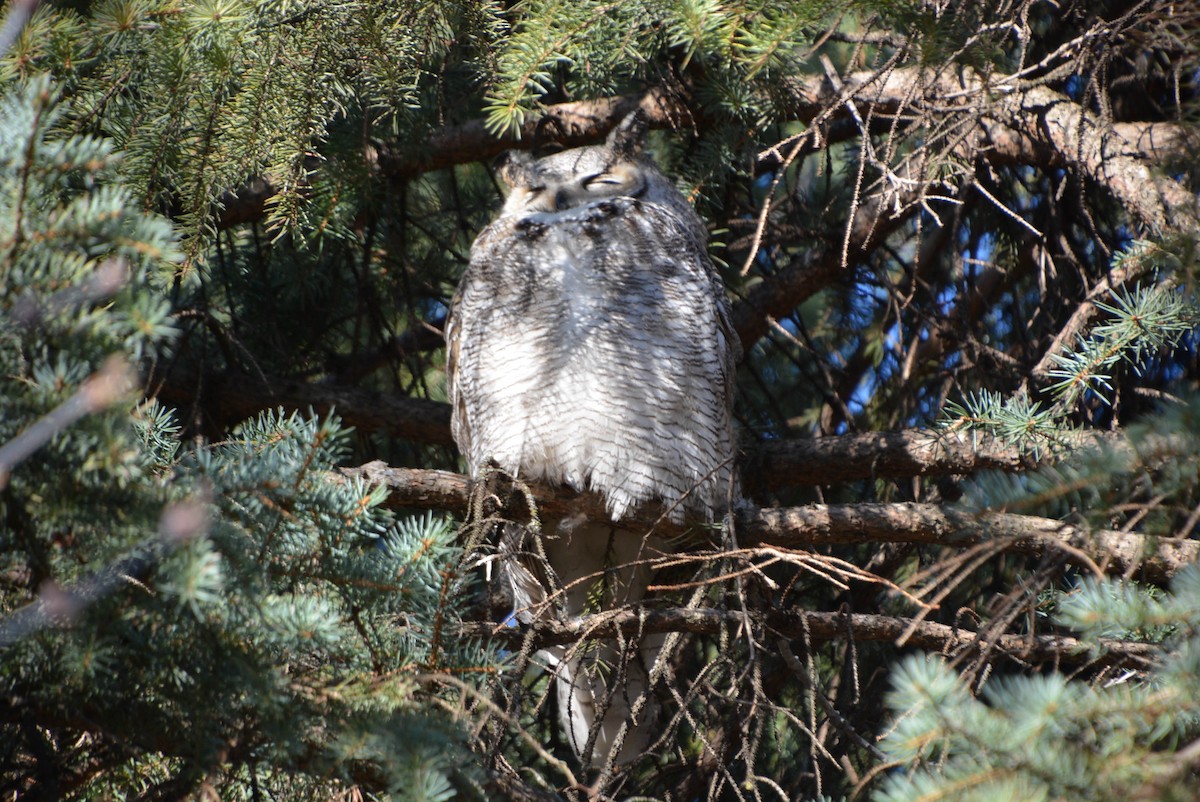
(562, 200)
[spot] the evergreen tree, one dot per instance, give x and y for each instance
(960, 240)
(187, 617)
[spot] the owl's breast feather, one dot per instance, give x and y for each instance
(596, 357)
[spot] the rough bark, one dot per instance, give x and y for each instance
(225, 399)
(215, 401)
(1017, 121)
(820, 525)
(767, 467)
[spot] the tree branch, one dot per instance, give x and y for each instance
(568, 124)
(1024, 124)
(220, 400)
(1015, 124)
(821, 525)
(779, 295)
(1125, 158)
(779, 464)
(227, 398)
(821, 627)
(1155, 559)
(1030, 124)
(1038, 126)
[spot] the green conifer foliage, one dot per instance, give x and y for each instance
(1049, 737)
(182, 616)
(959, 240)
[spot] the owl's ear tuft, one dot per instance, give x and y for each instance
(513, 168)
(627, 138)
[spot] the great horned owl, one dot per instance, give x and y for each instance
(589, 344)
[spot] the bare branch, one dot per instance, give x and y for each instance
(1028, 124)
(1126, 158)
(19, 13)
(57, 606)
(823, 626)
(1155, 559)
(102, 389)
(781, 293)
(779, 464)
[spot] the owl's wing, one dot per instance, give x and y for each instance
(460, 428)
(733, 341)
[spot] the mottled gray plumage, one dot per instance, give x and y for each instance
(589, 344)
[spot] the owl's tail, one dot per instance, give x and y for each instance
(603, 687)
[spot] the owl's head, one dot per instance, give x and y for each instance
(575, 178)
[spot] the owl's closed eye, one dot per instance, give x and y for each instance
(575, 178)
(543, 191)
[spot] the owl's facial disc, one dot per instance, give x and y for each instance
(549, 192)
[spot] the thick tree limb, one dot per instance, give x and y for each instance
(822, 627)
(1019, 123)
(227, 398)
(1033, 124)
(1126, 159)
(1029, 124)
(1015, 124)
(567, 124)
(780, 464)
(1155, 559)
(231, 397)
(820, 525)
